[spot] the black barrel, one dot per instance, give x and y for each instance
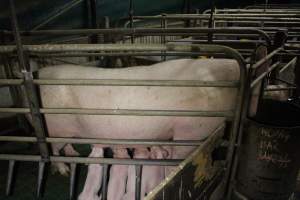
(269, 154)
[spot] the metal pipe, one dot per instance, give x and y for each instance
(104, 182)
(29, 87)
(106, 141)
(40, 178)
(138, 181)
(267, 58)
(89, 160)
(148, 31)
(10, 176)
(263, 75)
(73, 167)
(57, 13)
(289, 64)
(124, 82)
(221, 17)
(130, 112)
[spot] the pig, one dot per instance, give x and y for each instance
(118, 176)
(151, 175)
(139, 97)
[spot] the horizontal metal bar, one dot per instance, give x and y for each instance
(289, 64)
(15, 110)
(120, 82)
(89, 160)
(134, 112)
(263, 75)
(279, 89)
(266, 58)
(131, 112)
(84, 47)
(216, 17)
(105, 141)
(6, 82)
(122, 54)
(148, 31)
(123, 82)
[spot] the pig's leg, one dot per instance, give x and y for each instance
(139, 153)
(94, 178)
(60, 167)
(153, 175)
(118, 176)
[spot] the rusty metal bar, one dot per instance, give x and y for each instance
(10, 176)
(88, 160)
(29, 87)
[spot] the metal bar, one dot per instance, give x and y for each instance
(289, 64)
(130, 112)
(138, 181)
(104, 181)
(16, 34)
(120, 54)
(106, 141)
(135, 112)
(40, 178)
(10, 176)
(218, 16)
(124, 82)
(263, 75)
(58, 13)
(29, 87)
(88, 160)
(148, 31)
(280, 89)
(73, 167)
(267, 58)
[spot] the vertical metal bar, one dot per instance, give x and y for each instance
(211, 22)
(30, 88)
(163, 38)
(10, 176)
(93, 24)
(94, 21)
(131, 12)
(138, 181)
(40, 178)
(104, 181)
(72, 180)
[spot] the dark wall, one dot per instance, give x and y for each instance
(33, 12)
